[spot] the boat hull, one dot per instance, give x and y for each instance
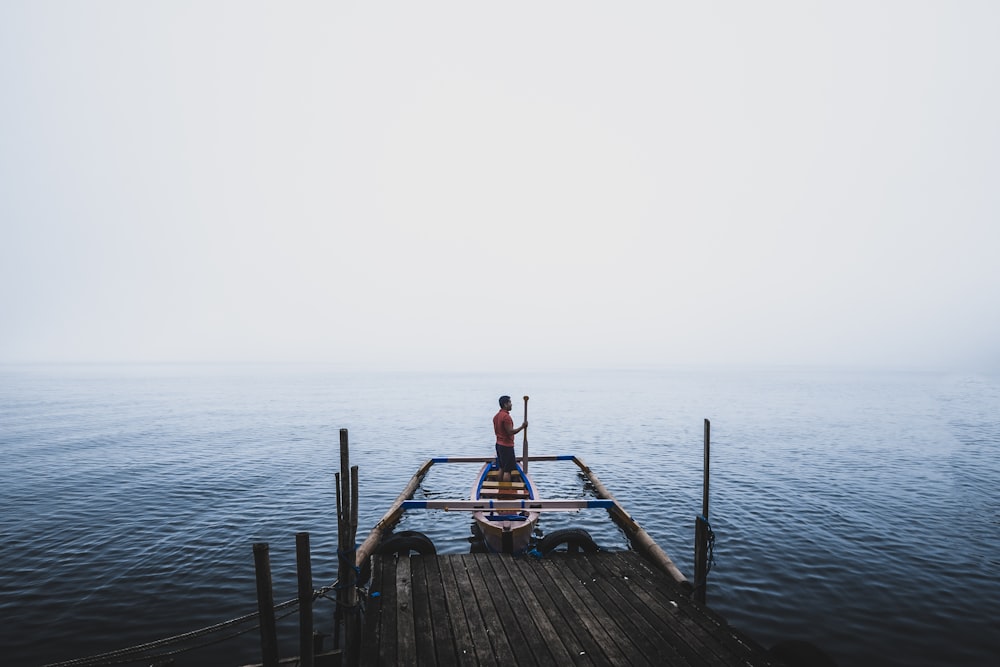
(504, 531)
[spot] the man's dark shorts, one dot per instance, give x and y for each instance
(506, 458)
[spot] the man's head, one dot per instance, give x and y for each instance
(505, 402)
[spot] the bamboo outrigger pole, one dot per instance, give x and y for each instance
(394, 513)
(635, 532)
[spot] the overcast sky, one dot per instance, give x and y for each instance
(491, 185)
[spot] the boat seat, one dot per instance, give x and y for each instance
(501, 494)
(514, 479)
(503, 485)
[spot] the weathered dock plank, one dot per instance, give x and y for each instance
(606, 608)
(469, 608)
(387, 645)
(707, 629)
(540, 634)
(627, 617)
(405, 630)
(423, 614)
(504, 617)
(657, 602)
(609, 646)
(576, 642)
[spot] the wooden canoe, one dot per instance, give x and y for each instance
(504, 531)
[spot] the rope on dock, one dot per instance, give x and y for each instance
(141, 651)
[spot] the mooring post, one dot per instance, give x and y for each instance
(701, 531)
(704, 488)
(347, 521)
(338, 607)
(354, 508)
(304, 569)
(353, 625)
(265, 605)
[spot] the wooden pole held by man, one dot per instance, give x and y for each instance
(524, 441)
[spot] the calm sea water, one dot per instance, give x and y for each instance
(855, 510)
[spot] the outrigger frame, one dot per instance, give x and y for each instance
(548, 505)
(638, 537)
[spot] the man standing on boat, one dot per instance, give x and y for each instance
(503, 426)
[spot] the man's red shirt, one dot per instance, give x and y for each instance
(499, 419)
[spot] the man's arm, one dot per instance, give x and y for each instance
(511, 431)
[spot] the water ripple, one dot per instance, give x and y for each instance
(854, 510)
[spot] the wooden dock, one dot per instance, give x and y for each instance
(605, 608)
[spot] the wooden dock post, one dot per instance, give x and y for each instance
(702, 531)
(265, 605)
(347, 526)
(304, 571)
(353, 626)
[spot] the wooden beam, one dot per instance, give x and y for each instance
(459, 505)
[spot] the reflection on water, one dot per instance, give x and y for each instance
(854, 510)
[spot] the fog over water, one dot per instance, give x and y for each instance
(449, 185)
